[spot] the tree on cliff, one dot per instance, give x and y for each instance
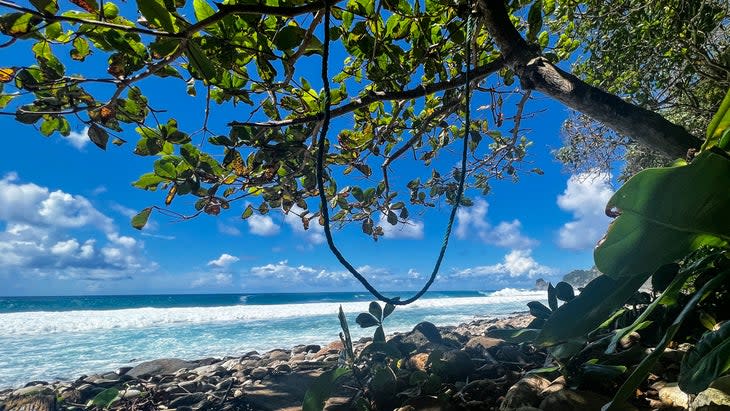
(398, 88)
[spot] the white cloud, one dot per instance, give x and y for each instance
(224, 261)
(79, 139)
(228, 229)
(472, 222)
(283, 271)
(314, 234)
(585, 196)
(213, 279)
(41, 236)
(516, 263)
(262, 225)
(411, 229)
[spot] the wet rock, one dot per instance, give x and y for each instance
(481, 343)
(162, 366)
(429, 331)
(32, 390)
(453, 365)
(279, 355)
(283, 368)
(526, 392)
(312, 348)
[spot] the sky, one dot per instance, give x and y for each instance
(65, 209)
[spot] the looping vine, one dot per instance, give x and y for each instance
(326, 115)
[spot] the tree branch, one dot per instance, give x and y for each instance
(536, 72)
(420, 91)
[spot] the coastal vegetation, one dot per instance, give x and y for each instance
(649, 87)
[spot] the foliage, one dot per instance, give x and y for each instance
(669, 56)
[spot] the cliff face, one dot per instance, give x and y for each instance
(579, 278)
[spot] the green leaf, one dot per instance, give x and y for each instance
(664, 214)
(200, 63)
(389, 308)
(707, 360)
(202, 9)
(347, 340)
(140, 220)
(376, 310)
(289, 37)
(538, 309)
(720, 122)
(47, 6)
(105, 398)
(156, 13)
(379, 335)
(81, 49)
(248, 212)
(534, 20)
(552, 298)
(564, 291)
(321, 389)
(600, 298)
(628, 388)
(98, 136)
(366, 320)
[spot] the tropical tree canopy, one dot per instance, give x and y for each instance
(396, 69)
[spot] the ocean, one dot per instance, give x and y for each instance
(61, 338)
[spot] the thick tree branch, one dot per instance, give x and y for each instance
(417, 92)
(536, 72)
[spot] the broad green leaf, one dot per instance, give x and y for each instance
(552, 298)
(148, 181)
(248, 212)
(376, 310)
(379, 335)
(707, 360)
(140, 220)
(538, 309)
(156, 13)
(45, 6)
(321, 389)
(664, 214)
(366, 320)
(202, 9)
(388, 310)
(599, 299)
(289, 37)
(202, 66)
(720, 122)
(17, 24)
(105, 398)
(564, 291)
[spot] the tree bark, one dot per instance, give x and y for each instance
(536, 72)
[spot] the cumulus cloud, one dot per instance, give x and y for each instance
(410, 230)
(224, 261)
(79, 139)
(41, 236)
(228, 229)
(585, 196)
(314, 234)
(516, 263)
(213, 279)
(472, 222)
(262, 225)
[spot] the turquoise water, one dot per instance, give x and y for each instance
(60, 338)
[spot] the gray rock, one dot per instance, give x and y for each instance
(481, 343)
(526, 392)
(279, 355)
(187, 400)
(429, 331)
(259, 373)
(211, 369)
(32, 390)
(671, 396)
(131, 393)
(454, 365)
(157, 367)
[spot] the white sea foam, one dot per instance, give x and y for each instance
(40, 323)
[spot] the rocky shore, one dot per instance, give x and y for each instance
(482, 373)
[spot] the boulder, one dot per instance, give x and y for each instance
(525, 393)
(157, 367)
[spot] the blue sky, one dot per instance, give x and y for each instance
(65, 208)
